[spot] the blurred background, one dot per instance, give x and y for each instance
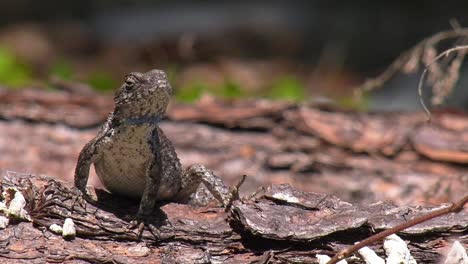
(74, 54)
(292, 50)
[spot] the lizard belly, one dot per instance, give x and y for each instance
(123, 161)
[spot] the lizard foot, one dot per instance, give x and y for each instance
(139, 223)
(153, 225)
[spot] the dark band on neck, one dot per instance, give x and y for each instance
(150, 120)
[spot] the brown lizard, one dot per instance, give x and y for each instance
(133, 157)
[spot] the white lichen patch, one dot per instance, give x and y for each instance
(397, 251)
(395, 248)
(457, 254)
(369, 256)
(285, 197)
(323, 259)
(56, 229)
(3, 207)
(69, 230)
(15, 207)
(4, 222)
(17, 204)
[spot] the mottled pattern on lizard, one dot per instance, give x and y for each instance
(133, 157)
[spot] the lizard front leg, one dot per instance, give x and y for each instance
(86, 158)
(82, 168)
(83, 165)
(153, 175)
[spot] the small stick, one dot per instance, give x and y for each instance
(454, 208)
(235, 193)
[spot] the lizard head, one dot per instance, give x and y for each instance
(143, 96)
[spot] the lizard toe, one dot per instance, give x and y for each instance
(140, 223)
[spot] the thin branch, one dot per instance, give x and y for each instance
(421, 80)
(454, 208)
(398, 63)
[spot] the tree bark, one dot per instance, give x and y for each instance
(284, 225)
(361, 158)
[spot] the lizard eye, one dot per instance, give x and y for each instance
(130, 81)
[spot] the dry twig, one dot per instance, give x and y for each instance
(451, 77)
(454, 208)
(442, 76)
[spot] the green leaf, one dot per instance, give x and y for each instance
(287, 88)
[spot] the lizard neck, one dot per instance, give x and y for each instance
(142, 120)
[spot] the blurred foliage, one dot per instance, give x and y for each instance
(195, 90)
(191, 93)
(13, 72)
(102, 81)
(230, 90)
(99, 80)
(351, 102)
(287, 88)
(62, 69)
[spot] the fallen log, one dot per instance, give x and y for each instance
(283, 225)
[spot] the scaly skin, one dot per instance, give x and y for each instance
(133, 157)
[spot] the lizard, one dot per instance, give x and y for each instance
(133, 157)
